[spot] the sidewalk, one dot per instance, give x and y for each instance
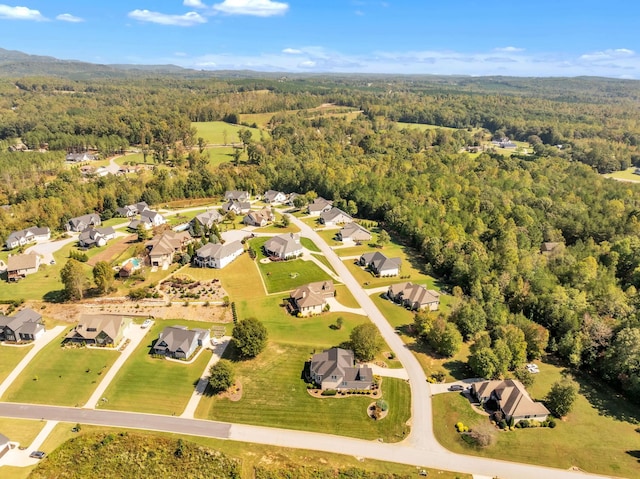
(48, 336)
(136, 335)
(217, 352)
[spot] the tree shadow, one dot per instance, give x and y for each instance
(456, 368)
(59, 296)
(635, 454)
(606, 400)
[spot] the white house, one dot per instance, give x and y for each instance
(34, 234)
(284, 246)
(335, 216)
(216, 255)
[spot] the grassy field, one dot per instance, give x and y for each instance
(23, 431)
(286, 275)
(275, 395)
(597, 436)
(10, 356)
(61, 376)
(46, 280)
(146, 384)
(251, 455)
(310, 245)
(320, 257)
(214, 132)
(422, 126)
(218, 156)
(624, 175)
(262, 119)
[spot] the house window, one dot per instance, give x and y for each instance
(334, 377)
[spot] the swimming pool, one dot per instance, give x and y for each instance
(134, 261)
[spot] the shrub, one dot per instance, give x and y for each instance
(481, 436)
(329, 392)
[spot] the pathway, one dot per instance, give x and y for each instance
(216, 354)
(40, 343)
(398, 373)
(136, 335)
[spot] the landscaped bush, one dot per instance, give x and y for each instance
(329, 392)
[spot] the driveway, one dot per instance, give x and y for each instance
(47, 249)
(444, 387)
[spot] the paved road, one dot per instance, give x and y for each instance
(400, 453)
(136, 335)
(48, 336)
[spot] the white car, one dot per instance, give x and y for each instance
(533, 368)
(146, 323)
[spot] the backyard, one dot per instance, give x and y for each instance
(10, 356)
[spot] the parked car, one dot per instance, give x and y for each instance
(146, 323)
(37, 454)
(456, 387)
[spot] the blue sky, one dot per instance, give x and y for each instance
(542, 38)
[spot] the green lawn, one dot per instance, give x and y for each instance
(23, 431)
(61, 376)
(422, 126)
(596, 440)
(329, 237)
(344, 297)
(220, 155)
(320, 257)
(214, 132)
(275, 395)
(286, 275)
(10, 356)
(310, 245)
(146, 384)
(624, 174)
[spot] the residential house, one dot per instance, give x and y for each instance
(511, 398)
(27, 236)
(504, 143)
(99, 329)
(380, 265)
(311, 298)
(25, 325)
(291, 198)
(274, 197)
(217, 255)
(335, 216)
(284, 246)
(354, 233)
(319, 205)
(5, 445)
(81, 223)
(148, 219)
(80, 157)
(238, 207)
(96, 236)
(208, 218)
(414, 296)
(236, 195)
(162, 247)
(180, 342)
(19, 266)
(259, 218)
(551, 247)
(335, 368)
(129, 211)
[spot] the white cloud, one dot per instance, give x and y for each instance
(20, 13)
(67, 17)
(509, 49)
(187, 20)
(608, 54)
(360, 13)
(307, 64)
(292, 51)
(258, 8)
(194, 4)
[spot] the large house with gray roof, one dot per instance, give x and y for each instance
(129, 211)
(259, 218)
(319, 205)
(208, 218)
(26, 325)
(28, 236)
(284, 246)
(235, 195)
(81, 223)
(311, 298)
(274, 197)
(238, 207)
(353, 233)
(162, 248)
(179, 342)
(414, 296)
(380, 265)
(335, 368)
(511, 398)
(96, 236)
(335, 216)
(217, 255)
(148, 219)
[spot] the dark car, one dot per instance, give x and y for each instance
(456, 387)
(37, 454)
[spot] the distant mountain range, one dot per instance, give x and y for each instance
(14, 63)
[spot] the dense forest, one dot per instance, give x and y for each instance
(478, 220)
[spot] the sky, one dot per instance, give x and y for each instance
(443, 37)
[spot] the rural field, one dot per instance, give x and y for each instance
(63, 376)
(627, 175)
(221, 133)
(597, 436)
(159, 386)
